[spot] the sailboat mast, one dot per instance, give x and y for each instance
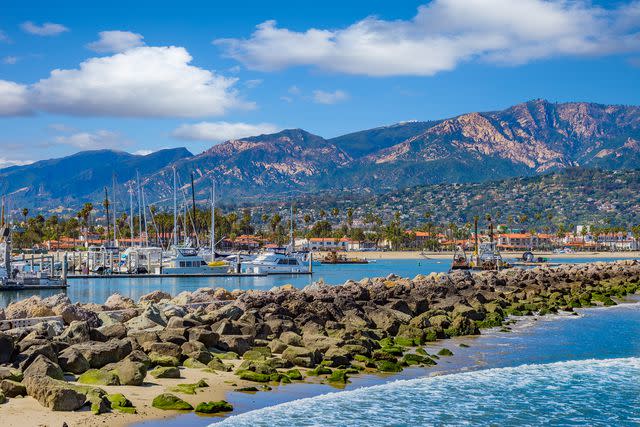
(106, 206)
(144, 216)
(175, 209)
(139, 206)
(291, 241)
(213, 219)
(115, 223)
(131, 213)
(193, 206)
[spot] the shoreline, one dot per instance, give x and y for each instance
(366, 332)
(417, 255)
(464, 359)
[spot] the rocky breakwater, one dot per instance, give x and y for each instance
(320, 333)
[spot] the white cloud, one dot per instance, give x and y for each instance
(116, 41)
(46, 29)
(445, 33)
(143, 152)
(61, 127)
(322, 97)
(13, 99)
(253, 83)
(141, 82)
(10, 60)
(222, 131)
(92, 140)
(5, 163)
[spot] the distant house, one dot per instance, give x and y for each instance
(325, 243)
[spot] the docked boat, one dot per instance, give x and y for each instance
(186, 261)
(273, 262)
(460, 260)
(334, 258)
(489, 258)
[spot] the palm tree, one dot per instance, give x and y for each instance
(25, 212)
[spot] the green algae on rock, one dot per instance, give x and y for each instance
(168, 401)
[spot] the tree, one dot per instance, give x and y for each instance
(25, 212)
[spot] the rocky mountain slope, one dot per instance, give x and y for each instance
(526, 139)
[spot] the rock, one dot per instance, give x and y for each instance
(155, 296)
(217, 365)
(445, 352)
(115, 330)
(236, 343)
(277, 346)
(339, 376)
(301, 356)
(338, 356)
(214, 407)
(150, 319)
(169, 401)
(119, 302)
(130, 372)
(192, 346)
(291, 338)
(163, 349)
(160, 360)
(42, 367)
(7, 373)
(98, 377)
(387, 366)
(189, 388)
(54, 394)
(181, 322)
(76, 332)
(207, 337)
(99, 354)
(174, 336)
(165, 372)
(72, 360)
(12, 388)
(27, 308)
(6, 347)
(120, 403)
(74, 312)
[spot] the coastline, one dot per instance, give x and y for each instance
(370, 255)
(483, 352)
(442, 308)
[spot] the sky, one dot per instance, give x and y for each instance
(140, 77)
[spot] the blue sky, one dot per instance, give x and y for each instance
(166, 74)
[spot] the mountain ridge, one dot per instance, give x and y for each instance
(525, 139)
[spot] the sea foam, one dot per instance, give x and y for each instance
(586, 392)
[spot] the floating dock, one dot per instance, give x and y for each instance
(160, 276)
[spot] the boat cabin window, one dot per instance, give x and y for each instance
(182, 264)
(288, 261)
(203, 263)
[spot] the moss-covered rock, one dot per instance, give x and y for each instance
(411, 359)
(165, 372)
(388, 366)
(217, 365)
(214, 407)
(320, 370)
(253, 376)
(247, 389)
(229, 355)
(294, 374)
(189, 388)
(339, 376)
(168, 401)
(156, 359)
(193, 364)
(99, 377)
(121, 404)
(445, 352)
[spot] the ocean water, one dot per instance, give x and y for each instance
(553, 370)
(575, 393)
(97, 290)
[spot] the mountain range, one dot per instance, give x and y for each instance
(523, 140)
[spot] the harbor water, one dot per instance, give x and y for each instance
(97, 290)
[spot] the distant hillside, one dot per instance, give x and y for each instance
(570, 197)
(72, 180)
(527, 139)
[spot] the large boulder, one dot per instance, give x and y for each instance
(301, 356)
(76, 332)
(27, 308)
(75, 312)
(54, 394)
(72, 360)
(130, 372)
(113, 330)
(99, 354)
(205, 336)
(163, 348)
(152, 318)
(42, 367)
(155, 296)
(119, 302)
(12, 388)
(237, 343)
(6, 347)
